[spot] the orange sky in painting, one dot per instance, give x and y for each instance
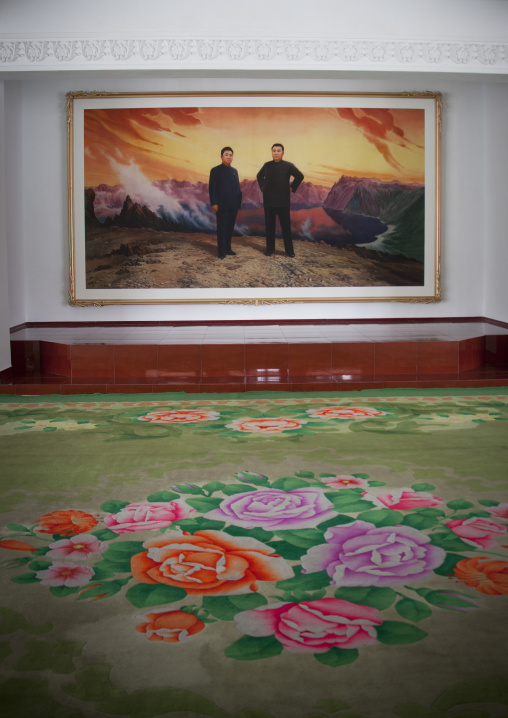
(184, 143)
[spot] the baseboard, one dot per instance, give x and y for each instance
(259, 322)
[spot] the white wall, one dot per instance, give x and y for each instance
(494, 230)
(5, 359)
(474, 251)
(40, 283)
(241, 18)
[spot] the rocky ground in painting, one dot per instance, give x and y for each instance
(119, 258)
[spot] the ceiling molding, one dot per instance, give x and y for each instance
(253, 54)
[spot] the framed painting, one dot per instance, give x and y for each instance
(349, 184)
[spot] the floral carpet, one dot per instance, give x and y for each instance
(255, 556)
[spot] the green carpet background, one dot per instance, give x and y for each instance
(70, 651)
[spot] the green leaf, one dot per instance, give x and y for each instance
(118, 556)
(349, 504)
(209, 525)
(105, 534)
(459, 504)
(413, 610)
(63, 591)
(336, 521)
(249, 648)
(366, 476)
(337, 657)
(18, 527)
(187, 524)
(305, 581)
(394, 633)
(204, 503)
(226, 608)
(248, 601)
(122, 549)
(289, 483)
(113, 506)
(446, 568)
(305, 474)
(41, 551)
(103, 570)
(305, 538)
(259, 534)
(344, 495)
(144, 595)
(373, 596)
(451, 600)
(449, 541)
(39, 565)
(214, 486)
(288, 551)
(220, 607)
(163, 496)
(478, 513)
(420, 522)
(423, 487)
(431, 512)
(382, 517)
(376, 483)
(232, 489)
(25, 578)
(488, 502)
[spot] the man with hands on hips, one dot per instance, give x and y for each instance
(274, 180)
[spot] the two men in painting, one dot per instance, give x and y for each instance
(277, 180)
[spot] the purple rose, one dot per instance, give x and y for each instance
(361, 554)
(275, 509)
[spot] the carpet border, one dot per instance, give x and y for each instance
(246, 395)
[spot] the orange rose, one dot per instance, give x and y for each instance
(209, 562)
(170, 626)
(66, 523)
(485, 574)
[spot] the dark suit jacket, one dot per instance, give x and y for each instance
(224, 187)
(274, 181)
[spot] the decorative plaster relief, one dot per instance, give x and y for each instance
(260, 53)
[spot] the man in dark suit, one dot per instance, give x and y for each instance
(274, 179)
(226, 199)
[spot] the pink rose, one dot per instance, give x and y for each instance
(313, 626)
(477, 531)
(345, 482)
(500, 511)
(405, 499)
(143, 516)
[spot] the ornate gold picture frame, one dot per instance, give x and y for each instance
(364, 219)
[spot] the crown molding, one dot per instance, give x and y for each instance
(162, 53)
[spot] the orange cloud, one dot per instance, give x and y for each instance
(378, 127)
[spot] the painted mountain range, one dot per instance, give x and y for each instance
(354, 211)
